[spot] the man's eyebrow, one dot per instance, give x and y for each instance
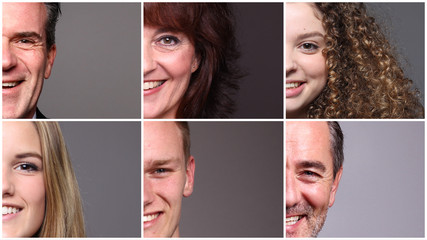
(312, 164)
(28, 35)
(28, 154)
(309, 35)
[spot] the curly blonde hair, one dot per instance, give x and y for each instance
(364, 78)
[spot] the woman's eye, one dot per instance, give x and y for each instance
(309, 47)
(27, 167)
(168, 41)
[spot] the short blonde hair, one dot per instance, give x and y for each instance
(64, 212)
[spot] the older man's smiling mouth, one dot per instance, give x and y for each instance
(10, 84)
(292, 220)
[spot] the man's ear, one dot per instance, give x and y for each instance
(51, 54)
(335, 187)
(189, 180)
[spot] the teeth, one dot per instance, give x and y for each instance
(10, 210)
(148, 218)
(9, 84)
(293, 85)
(152, 84)
(292, 220)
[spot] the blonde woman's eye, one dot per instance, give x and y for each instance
(27, 167)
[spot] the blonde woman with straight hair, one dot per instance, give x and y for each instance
(38, 178)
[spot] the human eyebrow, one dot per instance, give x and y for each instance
(28, 154)
(310, 35)
(29, 35)
(312, 164)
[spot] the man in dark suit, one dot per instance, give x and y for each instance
(29, 51)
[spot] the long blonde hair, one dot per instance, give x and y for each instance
(64, 212)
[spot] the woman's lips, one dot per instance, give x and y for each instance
(294, 88)
(153, 86)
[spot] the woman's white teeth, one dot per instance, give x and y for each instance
(293, 85)
(9, 84)
(148, 218)
(152, 84)
(10, 210)
(292, 220)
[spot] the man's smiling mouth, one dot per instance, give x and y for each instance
(150, 217)
(10, 84)
(292, 220)
(152, 84)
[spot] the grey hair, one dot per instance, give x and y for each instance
(337, 145)
(53, 12)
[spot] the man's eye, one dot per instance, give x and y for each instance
(26, 41)
(27, 167)
(160, 170)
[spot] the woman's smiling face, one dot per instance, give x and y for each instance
(306, 71)
(169, 61)
(23, 181)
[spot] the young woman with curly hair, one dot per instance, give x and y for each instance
(340, 65)
(190, 54)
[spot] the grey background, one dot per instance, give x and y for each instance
(97, 70)
(381, 193)
(106, 157)
(259, 30)
(404, 25)
(238, 189)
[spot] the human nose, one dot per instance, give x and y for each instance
(9, 58)
(150, 63)
(290, 62)
(148, 192)
(293, 195)
(8, 187)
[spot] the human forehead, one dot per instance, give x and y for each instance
(26, 16)
(23, 132)
(162, 141)
(308, 141)
(304, 14)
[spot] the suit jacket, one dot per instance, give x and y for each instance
(39, 115)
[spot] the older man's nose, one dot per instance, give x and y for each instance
(9, 58)
(293, 195)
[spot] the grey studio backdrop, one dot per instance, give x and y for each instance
(404, 26)
(259, 31)
(97, 70)
(381, 193)
(106, 157)
(238, 189)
